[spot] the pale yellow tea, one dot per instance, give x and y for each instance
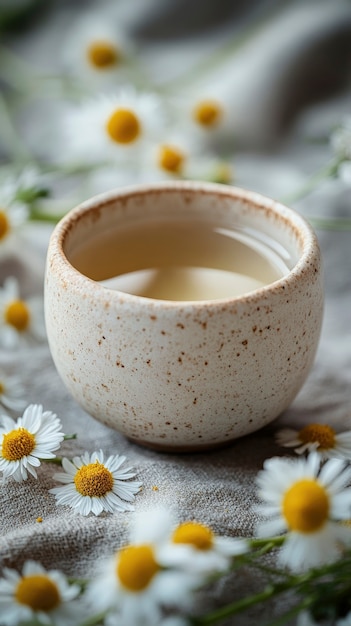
(181, 261)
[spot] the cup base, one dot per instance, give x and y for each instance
(168, 448)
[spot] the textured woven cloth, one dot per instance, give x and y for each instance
(301, 61)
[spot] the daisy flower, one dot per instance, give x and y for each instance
(38, 595)
(116, 128)
(93, 484)
(201, 114)
(24, 442)
(11, 390)
(307, 501)
(135, 585)
(13, 215)
(207, 113)
(178, 156)
(170, 158)
(319, 437)
(97, 51)
(194, 547)
(16, 195)
(21, 320)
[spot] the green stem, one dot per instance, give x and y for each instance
(18, 151)
(241, 605)
(95, 620)
(226, 51)
(69, 437)
(332, 223)
(41, 216)
(81, 582)
(22, 77)
(327, 171)
(293, 612)
(257, 542)
(57, 460)
(14, 70)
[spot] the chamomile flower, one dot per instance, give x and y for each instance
(308, 502)
(17, 193)
(21, 320)
(178, 156)
(135, 585)
(11, 390)
(319, 437)
(24, 442)
(38, 595)
(170, 158)
(202, 114)
(207, 113)
(13, 215)
(195, 547)
(116, 128)
(93, 484)
(97, 51)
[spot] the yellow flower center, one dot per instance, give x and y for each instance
(38, 592)
(17, 315)
(136, 567)
(4, 225)
(322, 434)
(198, 535)
(123, 126)
(171, 159)
(93, 480)
(17, 444)
(208, 113)
(102, 54)
(2, 388)
(306, 506)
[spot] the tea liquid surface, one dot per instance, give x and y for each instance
(181, 261)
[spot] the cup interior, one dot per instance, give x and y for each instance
(188, 224)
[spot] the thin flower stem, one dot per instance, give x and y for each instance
(332, 223)
(19, 152)
(327, 171)
(81, 582)
(57, 460)
(14, 70)
(293, 612)
(24, 79)
(257, 542)
(95, 620)
(41, 216)
(68, 437)
(241, 605)
(227, 51)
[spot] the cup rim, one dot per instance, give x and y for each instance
(310, 253)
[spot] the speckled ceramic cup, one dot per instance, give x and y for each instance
(183, 376)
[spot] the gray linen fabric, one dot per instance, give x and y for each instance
(294, 81)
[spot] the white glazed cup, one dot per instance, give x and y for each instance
(184, 376)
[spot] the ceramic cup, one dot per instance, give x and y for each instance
(183, 375)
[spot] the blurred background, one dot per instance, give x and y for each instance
(254, 93)
(280, 72)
